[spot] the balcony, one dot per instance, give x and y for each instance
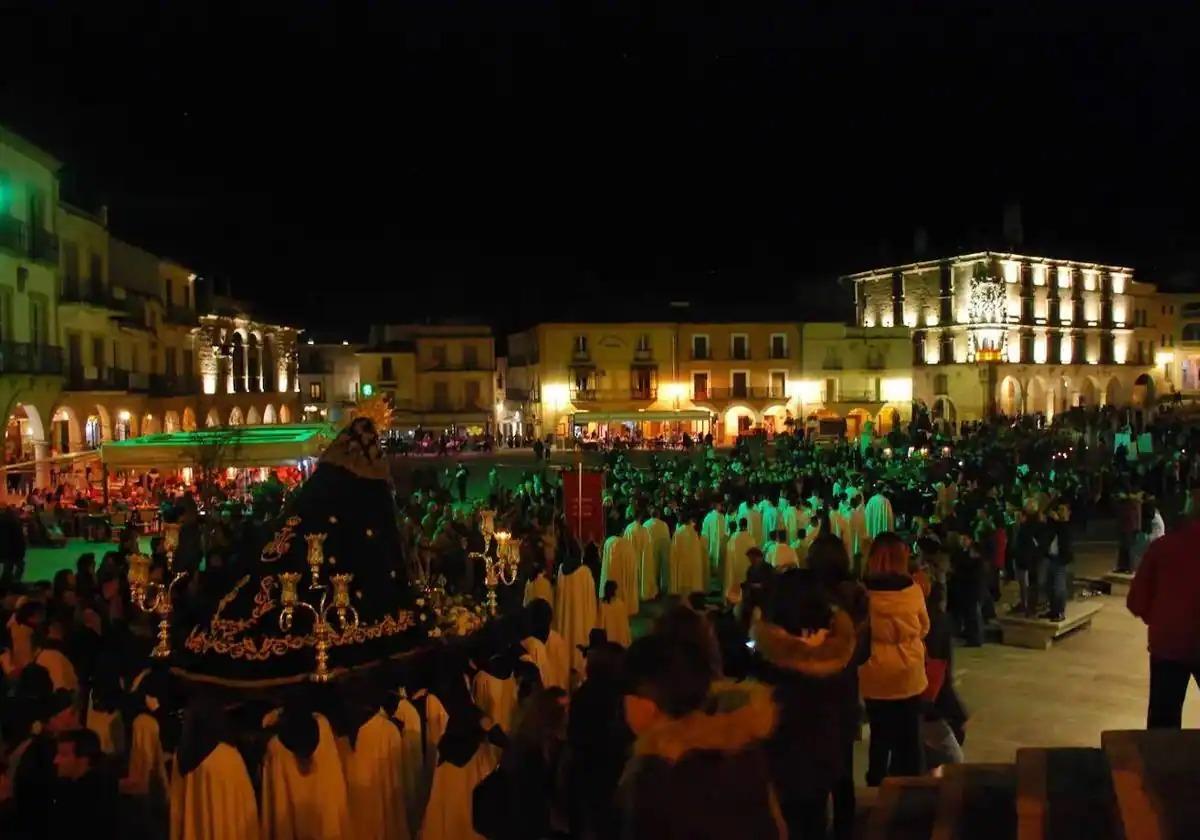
(744, 393)
(469, 365)
(171, 385)
(183, 315)
(22, 357)
(777, 354)
(701, 354)
(92, 379)
(586, 395)
(12, 234)
(643, 354)
(578, 355)
(852, 397)
(89, 293)
(43, 247)
(516, 394)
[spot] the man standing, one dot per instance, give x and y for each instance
(714, 533)
(1165, 594)
(460, 478)
(657, 558)
(737, 559)
(879, 514)
(639, 538)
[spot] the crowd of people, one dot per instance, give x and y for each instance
(797, 592)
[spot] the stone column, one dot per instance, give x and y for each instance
(41, 453)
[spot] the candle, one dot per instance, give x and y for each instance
(288, 583)
(341, 589)
(139, 570)
(171, 536)
(316, 550)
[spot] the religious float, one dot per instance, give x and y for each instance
(331, 595)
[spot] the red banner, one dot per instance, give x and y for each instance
(583, 491)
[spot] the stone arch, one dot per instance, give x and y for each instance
(171, 421)
(1010, 396)
(774, 418)
(268, 415)
(125, 425)
(236, 418)
(1037, 395)
(189, 419)
(739, 418)
(97, 428)
(856, 420)
(151, 425)
(944, 409)
(285, 414)
(66, 430)
(1088, 394)
(888, 419)
(237, 361)
(1113, 394)
(212, 419)
(254, 371)
(253, 418)
(1143, 391)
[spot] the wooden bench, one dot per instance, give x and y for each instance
(905, 809)
(1154, 775)
(1119, 582)
(1039, 633)
(1065, 793)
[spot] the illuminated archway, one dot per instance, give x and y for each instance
(171, 421)
(285, 414)
(189, 419)
(150, 425)
(268, 415)
(236, 418)
(252, 417)
(213, 419)
(1009, 397)
(1143, 391)
(739, 419)
(944, 410)
(856, 421)
(66, 432)
(1036, 396)
(1088, 389)
(1113, 394)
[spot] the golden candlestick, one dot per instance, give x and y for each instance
(323, 614)
(501, 569)
(316, 556)
(154, 597)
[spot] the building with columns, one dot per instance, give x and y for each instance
(1000, 332)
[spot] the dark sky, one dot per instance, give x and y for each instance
(351, 161)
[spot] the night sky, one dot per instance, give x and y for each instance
(352, 162)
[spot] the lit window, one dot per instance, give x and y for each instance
(1064, 277)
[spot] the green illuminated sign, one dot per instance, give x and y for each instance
(368, 389)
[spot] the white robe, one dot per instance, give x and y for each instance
(575, 611)
(614, 620)
(215, 801)
(412, 763)
(436, 720)
(539, 588)
(496, 698)
(305, 806)
(450, 815)
(687, 561)
(770, 522)
(620, 564)
(552, 659)
(736, 560)
(858, 531)
(789, 520)
(109, 728)
(656, 559)
(714, 534)
(147, 765)
(879, 515)
(782, 556)
(639, 538)
(754, 521)
(375, 781)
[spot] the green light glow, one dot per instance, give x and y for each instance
(368, 389)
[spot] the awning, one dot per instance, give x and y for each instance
(57, 460)
(634, 414)
(465, 418)
(224, 446)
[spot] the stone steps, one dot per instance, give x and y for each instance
(1040, 633)
(1136, 786)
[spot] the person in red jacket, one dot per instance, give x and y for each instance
(1165, 594)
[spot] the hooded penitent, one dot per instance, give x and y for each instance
(349, 500)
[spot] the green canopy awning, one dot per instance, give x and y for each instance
(615, 416)
(221, 446)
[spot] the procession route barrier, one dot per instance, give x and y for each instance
(1039, 633)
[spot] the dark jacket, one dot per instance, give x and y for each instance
(1165, 592)
(1032, 543)
(706, 774)
(1061, 531)
(809, 676)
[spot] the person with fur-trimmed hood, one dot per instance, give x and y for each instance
(806, 650)
(698, 769)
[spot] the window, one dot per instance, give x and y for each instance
(169, 291)
(38, 325)
(739, 383)
(1191, 332)
(642, 380)
(831, 391)
(472, 394)
(315, 391)
(471, 357)
(700, 384)
(581, 345)
(439, 355)
(778, 346)
(169, 360)
(96, 270)
(941, 384)
(6, 314)
(778, 386)
(441, 396)
(70, 253)
(189, 364)
(98, 354)
(699, 347)
(643, 343)
(739, 347)
(386, 370)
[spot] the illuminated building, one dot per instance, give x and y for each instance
(1014, 334)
